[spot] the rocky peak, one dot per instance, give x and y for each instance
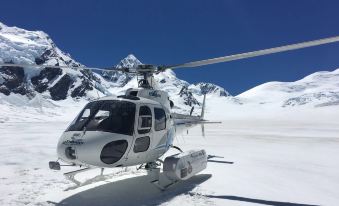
(129, 62)
(120, 79)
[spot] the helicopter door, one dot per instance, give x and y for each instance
(160, 130)
(144, 132)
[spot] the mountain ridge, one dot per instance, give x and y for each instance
(317, 89)
(36, 47)
(48, 85)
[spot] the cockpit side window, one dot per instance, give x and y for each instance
(145, 120)
(160, 119)
(141, 144)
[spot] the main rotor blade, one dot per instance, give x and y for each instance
(60, 67)
(256, 53)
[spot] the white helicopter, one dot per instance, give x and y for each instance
(138, 128)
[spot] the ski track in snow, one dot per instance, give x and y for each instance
(274, 163)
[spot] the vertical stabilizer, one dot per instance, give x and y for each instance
(203, 108)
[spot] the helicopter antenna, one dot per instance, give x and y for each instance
(203, 107)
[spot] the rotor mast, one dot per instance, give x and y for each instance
(144, 74)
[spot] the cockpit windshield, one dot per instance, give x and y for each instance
(106, 115)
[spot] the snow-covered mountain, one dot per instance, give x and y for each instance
(36, 47)
(49, 87)
(208, 88)
(120, 79)
(316, 90)
(50, 84)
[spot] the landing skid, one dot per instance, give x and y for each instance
(153, 172)
(71, 175)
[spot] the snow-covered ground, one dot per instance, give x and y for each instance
(279, 141)
(274, 160)
(272, 154)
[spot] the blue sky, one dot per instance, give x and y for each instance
(100, 33)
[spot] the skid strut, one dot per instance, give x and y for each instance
(156, 177)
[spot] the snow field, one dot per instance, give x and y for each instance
(265, 162)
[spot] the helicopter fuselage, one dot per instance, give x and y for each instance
(120, 131)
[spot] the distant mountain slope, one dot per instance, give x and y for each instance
(183, 94)
(316, 90)
(49, 84)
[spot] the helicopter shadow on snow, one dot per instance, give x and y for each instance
(133, 191)
(252, 200)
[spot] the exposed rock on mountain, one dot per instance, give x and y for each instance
(12, 80)
(35, 47)
(208, 88)
(188, 97)
(118, 78)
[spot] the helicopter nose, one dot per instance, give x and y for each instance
(95, 148)
(113, 151)
(66, 148)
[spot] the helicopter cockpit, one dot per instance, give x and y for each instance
(112, 116)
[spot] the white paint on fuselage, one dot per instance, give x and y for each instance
(88, 152)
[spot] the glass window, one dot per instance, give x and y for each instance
(141, 144)
(106, 115)
(86, 113)
(160, 119)
(113, 151)
(145, 120)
